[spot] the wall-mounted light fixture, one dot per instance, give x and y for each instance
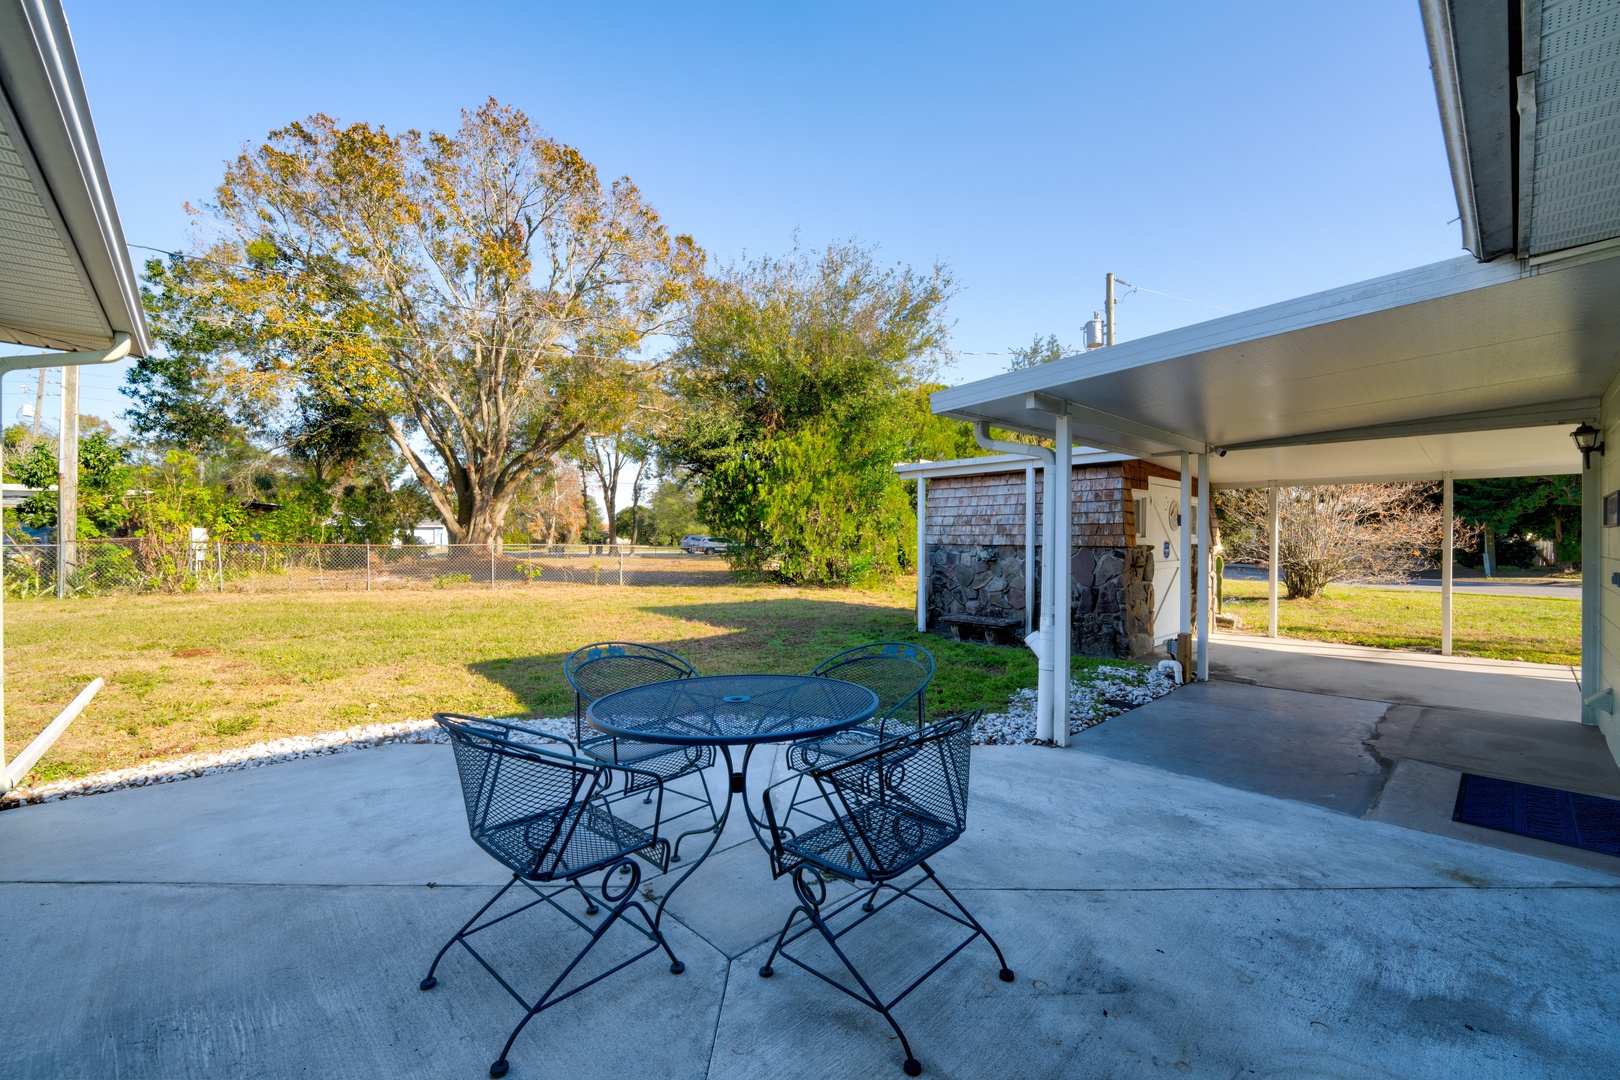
(1588, 440)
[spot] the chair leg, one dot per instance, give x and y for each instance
(1006, 972)
(430, 981)
(621, 902)
(810, 902)
(675, 851)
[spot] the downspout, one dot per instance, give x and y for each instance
(1044, 645)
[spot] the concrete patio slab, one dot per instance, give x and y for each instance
(1309, 747)
(1419, 795)
(1297, 941)
(1398, 676)
(1551, 753)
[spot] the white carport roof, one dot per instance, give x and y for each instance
(65, 276)
(1478, 369)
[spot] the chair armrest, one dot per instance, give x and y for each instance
(508, 727)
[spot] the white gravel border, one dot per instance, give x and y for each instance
(1106, 692)
(291, 748)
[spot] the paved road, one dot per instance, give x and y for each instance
(1556, 587)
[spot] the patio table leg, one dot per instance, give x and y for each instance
(734, 787)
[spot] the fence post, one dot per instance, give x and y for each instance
(368, 566)
(621, 564)
(492, 564)
(219, 563)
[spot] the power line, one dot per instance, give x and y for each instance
(1172, 296)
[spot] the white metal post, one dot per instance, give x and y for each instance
(1591, 587)
(67, 482)
(923, 569)
(1447, 558)
(1063, 548)
(219, 563)
(1029, 550)
(1274, 560)
(1045, 692)
(1204, 589)
(1184, 516)
(368, 566)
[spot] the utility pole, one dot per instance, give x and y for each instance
(39, 397)
(1108, 327)
(67, 481)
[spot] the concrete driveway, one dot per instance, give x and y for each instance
(274, 923)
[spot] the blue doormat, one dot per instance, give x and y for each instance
(1583, 821)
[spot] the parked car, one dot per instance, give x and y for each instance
(704, 545)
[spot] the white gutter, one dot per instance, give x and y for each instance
(25, 361)
(1044, 640)
(1448, 93)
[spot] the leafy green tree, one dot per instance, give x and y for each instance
(1037, 352)
(178, 399)
(103, 478)
(673, 511)
(1514, 510)
(803, 381)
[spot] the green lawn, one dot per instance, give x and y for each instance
(206, 671)
(1544, 630)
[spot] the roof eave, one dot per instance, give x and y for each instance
(42, 81)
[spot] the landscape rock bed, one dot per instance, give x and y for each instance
(1092, 699)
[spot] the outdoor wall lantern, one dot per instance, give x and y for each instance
(1587, 441)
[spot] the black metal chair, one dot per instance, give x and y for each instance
(889, 810)
(541, 814)
(898, 673)
(598, 670)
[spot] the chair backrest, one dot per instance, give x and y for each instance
(904, 799)
(523, 801)
(598, 670)
(897, 672)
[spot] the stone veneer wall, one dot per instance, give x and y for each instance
(978, 579)
(976, 555)
(1112, 596)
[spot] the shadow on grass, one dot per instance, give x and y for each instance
(785, 635)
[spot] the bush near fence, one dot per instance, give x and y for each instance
(103, 567)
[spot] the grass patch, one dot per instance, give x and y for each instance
(1540, 629)
(208, 671)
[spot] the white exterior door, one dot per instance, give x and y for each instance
(1160, 528)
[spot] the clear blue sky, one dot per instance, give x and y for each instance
(1235, 154)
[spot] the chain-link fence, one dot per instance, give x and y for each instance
(97, 567)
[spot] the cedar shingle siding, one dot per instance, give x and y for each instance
(976, 552)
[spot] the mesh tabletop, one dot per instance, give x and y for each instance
(733, 709)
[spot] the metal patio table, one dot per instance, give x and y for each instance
(728, 711)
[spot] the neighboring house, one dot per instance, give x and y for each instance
(431, 532)
(1484, 366)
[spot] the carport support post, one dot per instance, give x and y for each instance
(1204, 590)
(1274, 559)
(1063, 549)
(1447, 558)
(1184, 632)
(1029, 550)
(923, 570)
(1591, 587)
